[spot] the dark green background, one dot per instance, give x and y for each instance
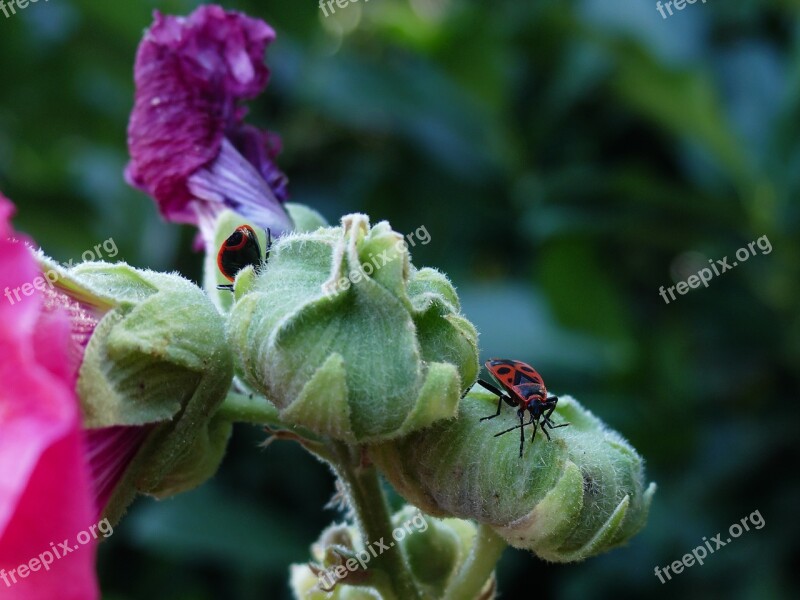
(567, 158)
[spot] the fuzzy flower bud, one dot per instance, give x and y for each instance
(156, 367)
(567, 499)
(348, 339)
(341, 566)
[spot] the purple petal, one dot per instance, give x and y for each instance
(191, 75)
(232, 182)
(261, 148)
(109, 453)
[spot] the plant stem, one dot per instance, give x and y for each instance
(242, 408)
(368, 502)
(478, 567)
(256, 410)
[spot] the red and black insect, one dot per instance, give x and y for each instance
(522, 388)
(240, 250)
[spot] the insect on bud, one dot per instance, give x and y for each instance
(218, 275)
(567, 499)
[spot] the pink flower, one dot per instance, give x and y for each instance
(189, 147)
(55, 478)
(45, 488)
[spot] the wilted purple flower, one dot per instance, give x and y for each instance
(189, 147)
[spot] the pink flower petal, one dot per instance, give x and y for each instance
(110, 451)
(45, 490)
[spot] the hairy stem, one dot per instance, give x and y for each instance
(244, 408)
(256, 410)
(476, 570)
(371, 510)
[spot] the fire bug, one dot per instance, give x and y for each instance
(238, 251)
(522, 388)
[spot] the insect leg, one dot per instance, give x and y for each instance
(503, 397)
(491, 388)
(533, 437)
(510, 429)
(521, 433)
(544, 431)
(499, 404)
(549, 412)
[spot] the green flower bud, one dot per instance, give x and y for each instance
(199, 462)
(348, 339)
(435, 548)
(319, 580)
(304, 217)
(567, 499)
(157, 362)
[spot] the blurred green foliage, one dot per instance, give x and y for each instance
(568, 158)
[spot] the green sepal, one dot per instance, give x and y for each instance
(304, 217)
(443, 333)
(552, 521)
(578, 495)
(158, 360)
(322, 404)
(199, 463)
(438, 398)
(147, 356)
(343, 292)
(436, 552)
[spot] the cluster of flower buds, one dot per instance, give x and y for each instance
(119, 374)
(341, 561)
